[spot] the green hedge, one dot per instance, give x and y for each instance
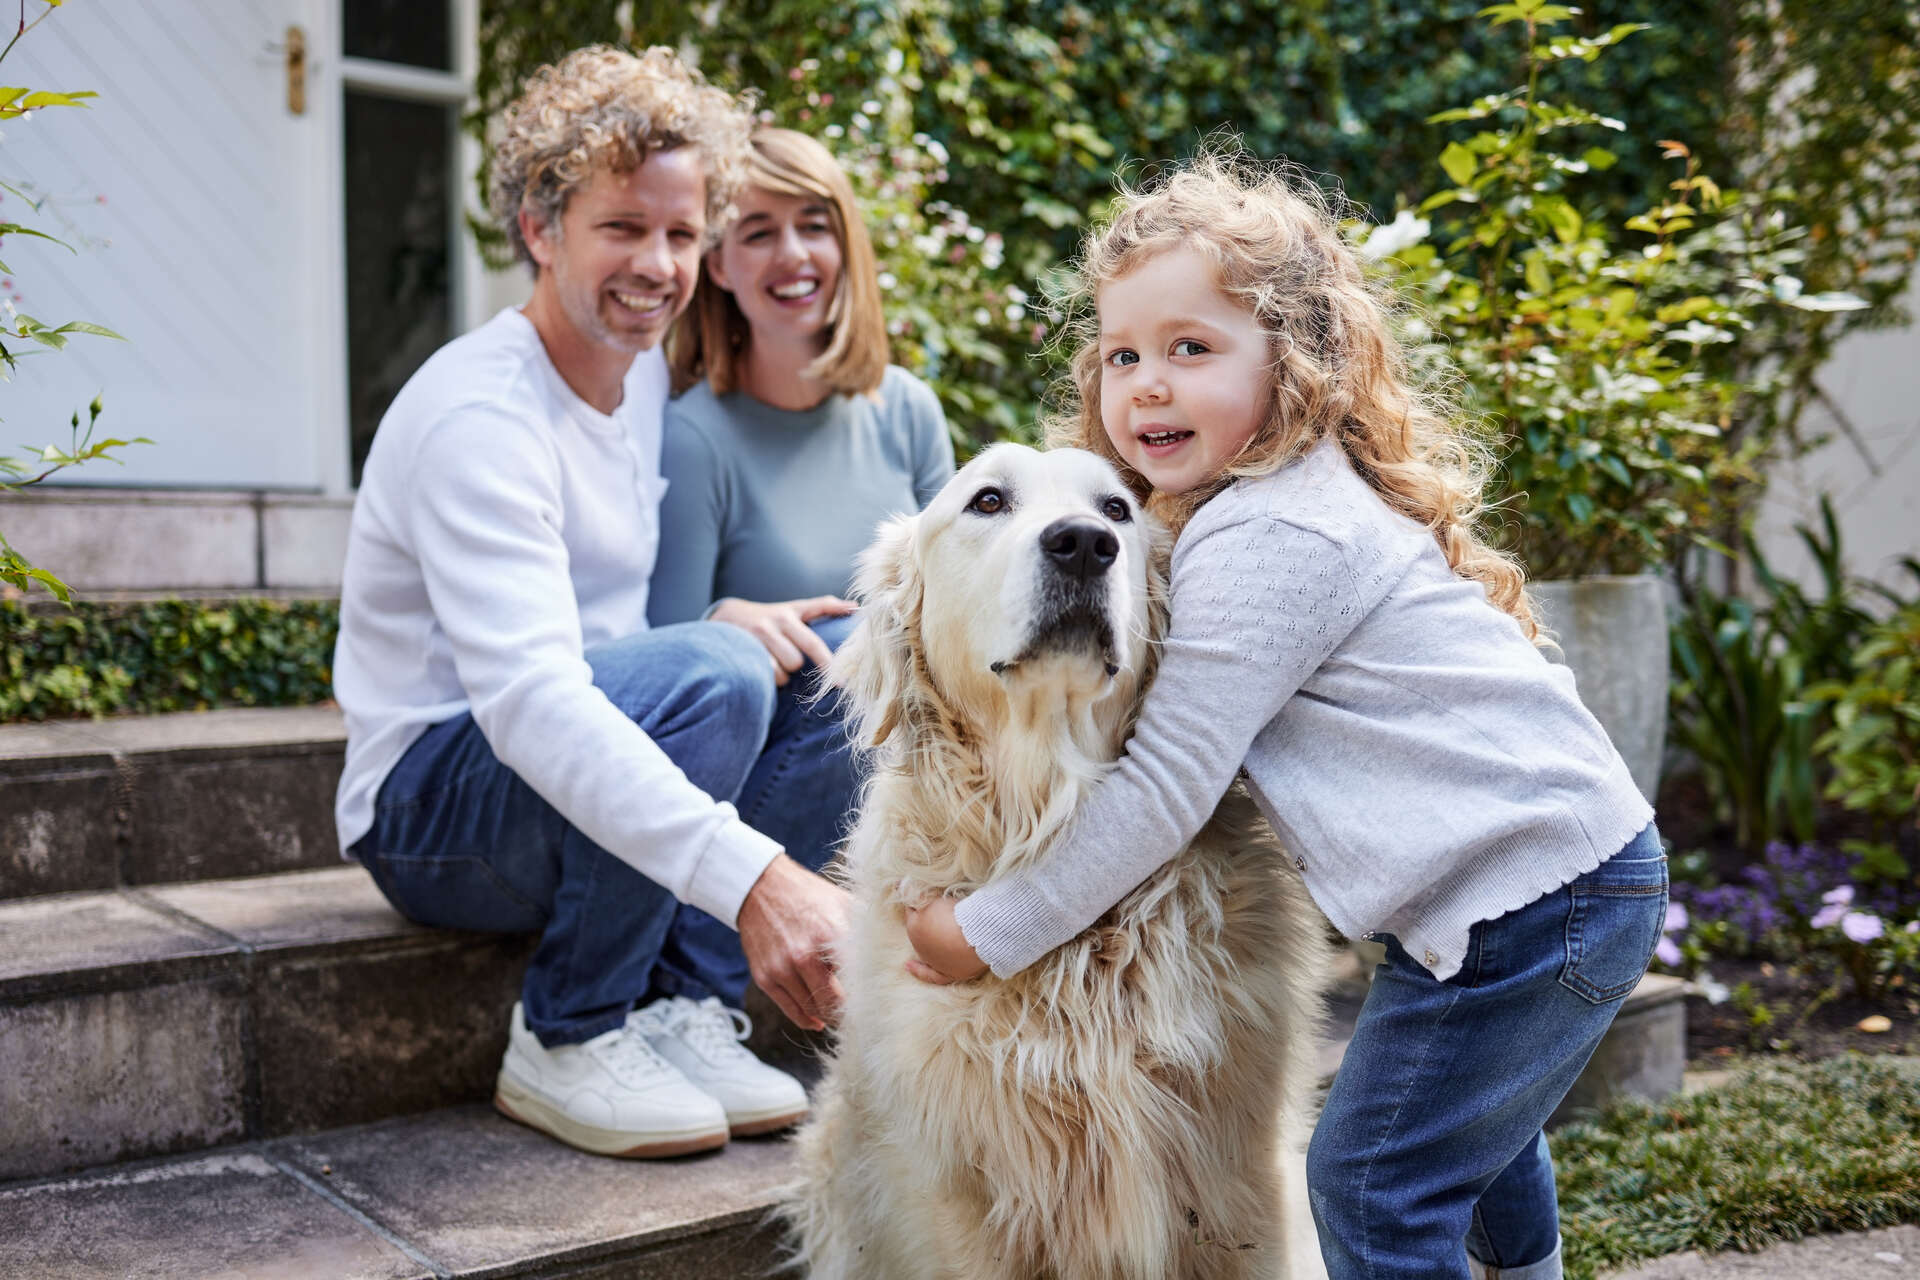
(169, 655)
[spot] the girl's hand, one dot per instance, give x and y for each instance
(941, 953)
(783, 629)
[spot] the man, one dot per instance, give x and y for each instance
(522, 753)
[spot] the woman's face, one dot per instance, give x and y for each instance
(781, 262)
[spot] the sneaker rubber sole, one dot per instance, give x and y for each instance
(753, 1124)
(516, 1102)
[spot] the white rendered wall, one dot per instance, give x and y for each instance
(1875, 378)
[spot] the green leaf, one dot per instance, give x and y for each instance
(48, 98)
(1536, 273)
(15, 229)
(83, 326)
(1580, 506)
(1459, 163)
(1561, 216)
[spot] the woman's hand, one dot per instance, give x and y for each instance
(941, 953)
(783, 629)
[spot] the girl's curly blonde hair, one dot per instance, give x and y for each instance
(601, 107)
(1335, 368)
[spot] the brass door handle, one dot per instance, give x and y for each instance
(295, 49)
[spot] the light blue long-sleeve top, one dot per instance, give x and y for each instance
(775, 504)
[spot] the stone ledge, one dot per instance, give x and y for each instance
(88, 805)
(144, 1022)
(1644, 1054)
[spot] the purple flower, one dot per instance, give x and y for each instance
(1827, 917)
(1861, 927)
(1676, 918)
(1667, 952)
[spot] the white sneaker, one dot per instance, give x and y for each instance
(612, 1095)
(703, 1041)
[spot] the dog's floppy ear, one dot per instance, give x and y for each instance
(876, 669)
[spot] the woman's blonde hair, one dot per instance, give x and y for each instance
(712, 335)
(601, 107)
(1336, 370)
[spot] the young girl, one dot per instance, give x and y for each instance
(1341, 634)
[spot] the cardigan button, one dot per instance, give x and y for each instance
(1299, 863)
(1432, 959)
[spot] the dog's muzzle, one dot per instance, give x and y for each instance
(1071, 614)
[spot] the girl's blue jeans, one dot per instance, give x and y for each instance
(459, 841)
(1431, 1146)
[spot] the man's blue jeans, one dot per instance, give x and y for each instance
(459, 841)
(1432, 1137)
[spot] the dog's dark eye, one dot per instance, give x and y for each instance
(989, 501)
(1116, 510)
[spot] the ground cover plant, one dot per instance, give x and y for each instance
(101, 658)
(1783, 1151)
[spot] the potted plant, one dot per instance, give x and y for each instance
(1584, 349)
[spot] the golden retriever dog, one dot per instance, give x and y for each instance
(1119, 1109)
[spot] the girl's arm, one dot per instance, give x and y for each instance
(1257, 606)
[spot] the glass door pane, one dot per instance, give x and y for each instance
(400, 224)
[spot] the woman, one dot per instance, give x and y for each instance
(792, 440)
(794, 437)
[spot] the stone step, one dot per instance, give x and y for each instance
(148, 1021)
(455, 1192)
(142, 800)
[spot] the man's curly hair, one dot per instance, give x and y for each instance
(601, 107)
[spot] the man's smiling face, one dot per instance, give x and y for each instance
(624, 259)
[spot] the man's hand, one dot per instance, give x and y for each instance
(941, 953)
(787, 924)
(783, 629)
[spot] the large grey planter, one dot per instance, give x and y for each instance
(1612, 632)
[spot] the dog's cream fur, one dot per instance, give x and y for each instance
(1119, 1109)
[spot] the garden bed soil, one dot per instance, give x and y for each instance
(1716, 1032)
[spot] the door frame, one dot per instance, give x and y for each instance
(331, 75)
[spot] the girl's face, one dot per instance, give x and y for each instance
(1183, 370)
(781, 262)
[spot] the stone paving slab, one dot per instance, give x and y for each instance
(1856, 1255)
(226, 1215)
(90, 939)
(482, 1196)
(339, 904)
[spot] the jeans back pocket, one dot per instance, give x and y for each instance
(1613, 925)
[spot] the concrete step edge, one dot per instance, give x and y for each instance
(96, 805)
(459, 1191)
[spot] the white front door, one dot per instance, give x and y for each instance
(199, 203)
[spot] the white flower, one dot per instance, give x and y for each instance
(982, 317)
(1861, 927)
(887, 280)
(1015, 311)
(1403, 232)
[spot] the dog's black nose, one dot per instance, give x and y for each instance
(1079, 548)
